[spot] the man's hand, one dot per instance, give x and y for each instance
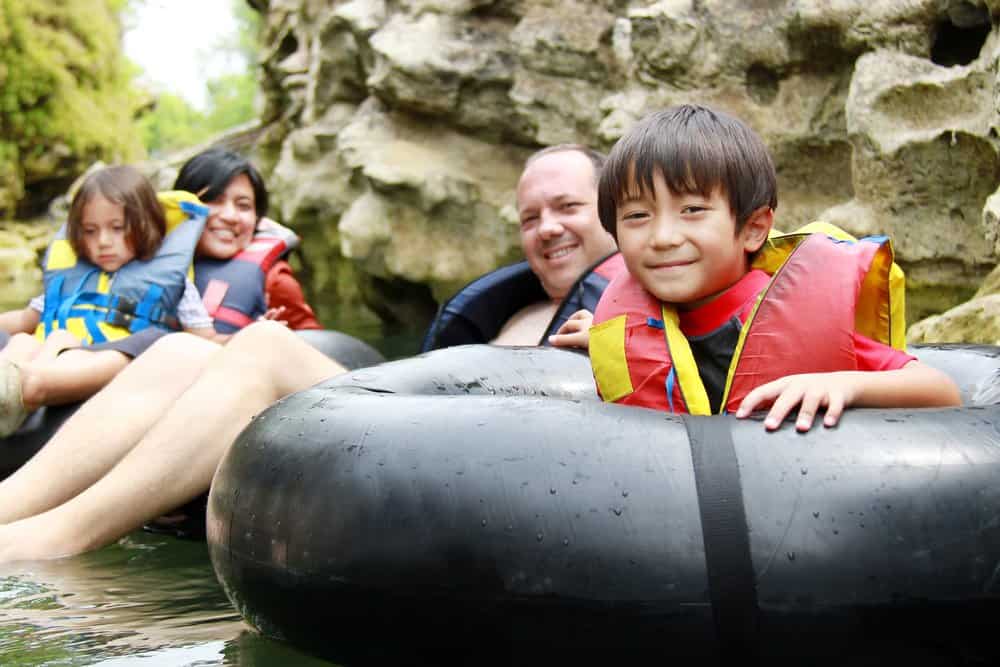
(575, 332)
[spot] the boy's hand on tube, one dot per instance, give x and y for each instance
(810, 391)
(575, 332)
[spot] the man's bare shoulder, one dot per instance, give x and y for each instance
(528, 325)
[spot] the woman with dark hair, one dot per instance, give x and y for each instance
(240, 282)
(240, 272)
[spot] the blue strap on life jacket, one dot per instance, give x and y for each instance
(52, 302)
(672, 375)
(671, 381)
(67, 303)
(145, 312)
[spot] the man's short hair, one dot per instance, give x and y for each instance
(696, 149)
(597, 159)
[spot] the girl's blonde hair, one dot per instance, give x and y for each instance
(145, 224)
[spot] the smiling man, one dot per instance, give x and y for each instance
(561, 233)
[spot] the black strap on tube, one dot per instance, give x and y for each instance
(731, 581)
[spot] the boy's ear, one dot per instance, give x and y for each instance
(756, 229)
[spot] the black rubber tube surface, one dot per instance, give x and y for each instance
(479, 504)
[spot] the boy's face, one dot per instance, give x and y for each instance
(560, 231)
(684, 249)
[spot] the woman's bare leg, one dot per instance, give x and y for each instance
(176, 459)
(106, 427)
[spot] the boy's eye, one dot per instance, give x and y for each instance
(570, 205)
(634, 215)
(693, 208)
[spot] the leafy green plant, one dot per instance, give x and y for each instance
(65, 92)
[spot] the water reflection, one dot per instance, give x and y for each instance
(148, 600)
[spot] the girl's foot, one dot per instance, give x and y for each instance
(12, 410)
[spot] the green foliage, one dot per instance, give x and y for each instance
(64, 91)
(173, 123)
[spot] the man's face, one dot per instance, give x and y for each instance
(560, 231)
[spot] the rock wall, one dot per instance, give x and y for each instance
(396, 129)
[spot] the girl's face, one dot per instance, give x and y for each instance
(105, 236)
(231, 221)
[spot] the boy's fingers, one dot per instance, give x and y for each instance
(757, 396)
(788, 399)
(834, 410)
(807, 411)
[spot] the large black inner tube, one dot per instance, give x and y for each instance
(478, 504)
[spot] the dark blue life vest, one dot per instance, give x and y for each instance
(478, 312)
(233, 289)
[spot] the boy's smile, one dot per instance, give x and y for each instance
(684, 248)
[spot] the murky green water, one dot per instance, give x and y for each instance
(147, 600)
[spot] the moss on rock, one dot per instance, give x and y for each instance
(66, 97)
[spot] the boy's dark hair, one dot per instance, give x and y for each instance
(697, 150)
(145, 223)
(208, 173)
(596, 158)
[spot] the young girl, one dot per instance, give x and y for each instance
(112, 271)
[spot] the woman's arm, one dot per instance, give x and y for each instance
(284, 291)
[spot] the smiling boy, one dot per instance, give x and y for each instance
(689, 193)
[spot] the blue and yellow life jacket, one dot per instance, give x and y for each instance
(96, 306)
(825, 285)
(233, 289)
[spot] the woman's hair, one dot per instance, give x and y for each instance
(145, 223)
(696, 150)
(208, 173)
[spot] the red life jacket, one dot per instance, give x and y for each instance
(821, 291)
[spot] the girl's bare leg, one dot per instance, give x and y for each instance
(76, 375)
(54, 344)
(106, 427)
(21, 348)
(176, 459)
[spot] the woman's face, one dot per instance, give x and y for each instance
(231, 221)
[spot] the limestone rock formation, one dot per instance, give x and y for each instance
(396, 130)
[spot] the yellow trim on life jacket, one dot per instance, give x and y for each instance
(61, 256)
(684, 365)
(878, 312)
(607, 354)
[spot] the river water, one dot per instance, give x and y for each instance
(149, 600)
